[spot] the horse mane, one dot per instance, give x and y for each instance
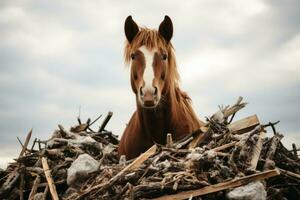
(180, 102)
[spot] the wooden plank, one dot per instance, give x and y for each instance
(221, 186)
(256, 151)
(139, 160)
(202, 135)
(244, 125)
(51, 184)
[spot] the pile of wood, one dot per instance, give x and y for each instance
(215, 162)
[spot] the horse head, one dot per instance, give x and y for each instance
(149, 54)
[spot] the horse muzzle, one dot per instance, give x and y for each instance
(149, 98)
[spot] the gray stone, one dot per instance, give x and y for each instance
(81, 168)
(252, 191)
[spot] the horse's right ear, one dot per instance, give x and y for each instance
(131, 28)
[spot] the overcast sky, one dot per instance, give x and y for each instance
(56, 56)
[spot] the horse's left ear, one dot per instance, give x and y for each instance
(166, 28)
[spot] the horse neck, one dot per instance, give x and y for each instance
(155, 122)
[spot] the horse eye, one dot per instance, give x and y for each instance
(164, 56)
(135, 76)
(132, 56)
(163, 76)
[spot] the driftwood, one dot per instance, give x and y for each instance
(51, 184)
(205, 164)
(221, 186)
(34, 188)
(244, 125)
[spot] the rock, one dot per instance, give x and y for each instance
(81, 168)
(251, 191)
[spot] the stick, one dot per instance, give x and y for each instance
(169, 140)
(107, 118)
(49, 179)
(225, 146)
(20, 142)
(295, 151)
(21, 190)
(95, 120)
(45, 192)
(283, 171)
(221, 186)
(32, 147)
(200, 138)
(34, 187)
(234, 108)
(272, 124)
(26, 143)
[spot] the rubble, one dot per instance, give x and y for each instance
(227, 158)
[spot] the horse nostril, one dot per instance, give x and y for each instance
(155, 91)
(141, 91)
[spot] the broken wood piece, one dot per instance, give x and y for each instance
(139, 160)
(295, 151)
(244, 125)
(223, 113)
(20, 142)
(234, 108)
(182, 144)
(221, 186)
(257, 150)
(51, 184)
(33, 144)
(272, 149)
(225, 146)
(34, 187)
(203, 134)
(90, 124)
(26, 143)
(106, 120)
(169, 140)
(21, 189)
(289, 173)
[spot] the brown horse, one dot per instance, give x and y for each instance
(161, 106)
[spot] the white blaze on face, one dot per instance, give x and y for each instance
(148, 72)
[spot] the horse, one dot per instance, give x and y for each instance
(161, 106)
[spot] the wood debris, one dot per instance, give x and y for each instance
(206, 164)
